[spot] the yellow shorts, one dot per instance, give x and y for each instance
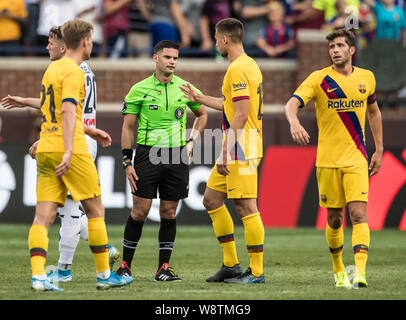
(241, 182)
(339, 186)
(81, 179)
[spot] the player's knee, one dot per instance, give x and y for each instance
(44, 221)
(335, 217)
(44, 218)
(245, 207)
(242, 210)
(168, 213)
(357, 216)
(95, 212)
(335, 222)
(211, 204)
(139, 214)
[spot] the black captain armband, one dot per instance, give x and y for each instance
(127, 154)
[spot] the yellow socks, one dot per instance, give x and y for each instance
(335, 241)
(98, 243)
(360, 244)
(254, 238)
(224, 229)
(38, 246)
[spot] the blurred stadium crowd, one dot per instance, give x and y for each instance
(130, 28)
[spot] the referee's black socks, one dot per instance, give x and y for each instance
(166, 237)
(132, 234)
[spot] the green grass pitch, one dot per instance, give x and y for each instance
(296, 261)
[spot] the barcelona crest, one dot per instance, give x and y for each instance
(362, 88)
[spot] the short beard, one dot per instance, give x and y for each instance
(342, 64)
(224, 54)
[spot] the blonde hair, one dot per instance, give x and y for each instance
(75, 31)
(272, 5)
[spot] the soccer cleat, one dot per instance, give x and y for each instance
(341, 280)
(113, 281)
(43, 285)
(125, 272)
(59, 276)
(165, 273)
(359, 281)
(225, 273)
(246, 277)
(114, 255)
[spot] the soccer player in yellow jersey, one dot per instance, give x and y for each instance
(343, 94)
(73, 221)
(235, 173)
(64, 162)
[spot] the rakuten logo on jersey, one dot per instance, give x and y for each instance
(344, 104)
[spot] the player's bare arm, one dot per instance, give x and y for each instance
(198, 125)
(237, 124)
(68, 113)
(11, 102)
(299, 134)
(127, 142)
(375, 123)
(194, 96)
(99, 135)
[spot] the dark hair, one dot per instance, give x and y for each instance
(56, 32)
(75, 31)
(232, 28)
(347, 34)
(165, 44)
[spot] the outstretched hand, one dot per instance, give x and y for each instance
(189, 92)
(11, 102)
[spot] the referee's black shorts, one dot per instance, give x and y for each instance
(170, 176)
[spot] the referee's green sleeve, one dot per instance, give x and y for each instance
(132, 102)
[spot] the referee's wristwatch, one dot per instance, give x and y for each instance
(191, 140)
(126, 164)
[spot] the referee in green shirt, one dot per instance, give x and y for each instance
(159, 108)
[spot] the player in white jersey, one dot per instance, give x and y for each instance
(89, 106)
(73, 220)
